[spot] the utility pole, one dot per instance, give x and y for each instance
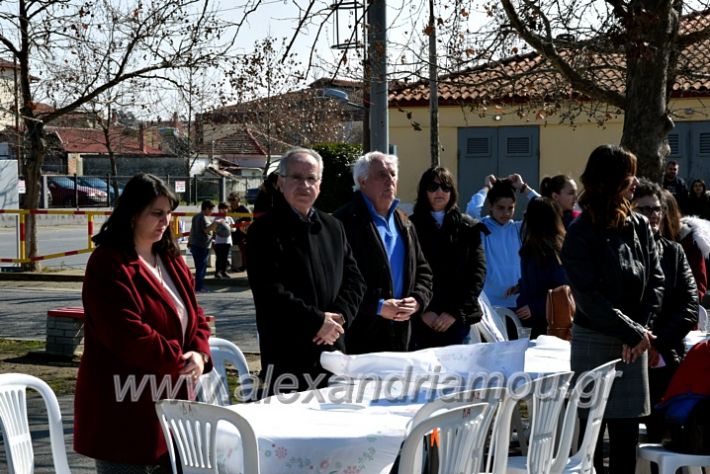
(377, 55)
(433, 90)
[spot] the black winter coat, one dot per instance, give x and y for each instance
(371, 332)
(615, 276)
(679, 313)
(457, 260)
(297, 271)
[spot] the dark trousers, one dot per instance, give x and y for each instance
(221, 251)
(200, 256)
(623, 439)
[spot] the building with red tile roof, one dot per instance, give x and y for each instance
(519, 114)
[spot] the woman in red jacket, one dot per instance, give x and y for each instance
(145, 337)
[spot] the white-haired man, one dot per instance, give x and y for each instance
(388, 254)
(304, 279)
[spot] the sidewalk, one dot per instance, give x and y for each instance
(238, 279)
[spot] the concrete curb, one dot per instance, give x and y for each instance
(238, 281)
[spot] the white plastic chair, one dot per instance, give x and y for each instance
(491, 327)
(548, 400)
(591, 389)
(703, 323)
(668, 461)
(14, 425)
(491, 395)
(506, 313)
(192, 428)
(461, 439)
(213, 387)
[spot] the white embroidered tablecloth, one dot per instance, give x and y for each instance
(358, 426)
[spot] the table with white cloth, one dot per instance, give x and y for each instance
(358, 426)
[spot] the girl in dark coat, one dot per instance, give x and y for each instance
(540, 264)
(451, 243)
(612, 265)
(679, 312)
(698, 200)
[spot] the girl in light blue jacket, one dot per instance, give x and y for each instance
(503, 243)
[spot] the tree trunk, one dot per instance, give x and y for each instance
(33, 178)
(648, 56)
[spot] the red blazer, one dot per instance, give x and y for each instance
(131, 333)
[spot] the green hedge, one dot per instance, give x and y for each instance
(337, 186)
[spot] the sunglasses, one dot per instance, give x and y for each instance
(648, 210)
(434, 187)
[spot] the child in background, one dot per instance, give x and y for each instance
(503, 243)
(222, 241)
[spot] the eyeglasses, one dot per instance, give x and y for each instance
(648, 210)
(434, 187)
(309, 180)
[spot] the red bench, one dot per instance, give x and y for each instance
(65, 331)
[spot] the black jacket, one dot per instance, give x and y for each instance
(371, 332)
(297, 271)
(457, 260)
(679, 313)
(616, 277)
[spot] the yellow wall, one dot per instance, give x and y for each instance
(563, 148)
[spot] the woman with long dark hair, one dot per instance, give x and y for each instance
(451, 242)
(693, 234)
(698, 203)
(612, 265)
(540, 264)
(563, 190)
(143, 329)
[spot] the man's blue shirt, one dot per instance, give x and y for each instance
(393, 243)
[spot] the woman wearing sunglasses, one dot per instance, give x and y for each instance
(451, 242)
(679, 313)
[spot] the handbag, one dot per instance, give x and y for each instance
(560, 310)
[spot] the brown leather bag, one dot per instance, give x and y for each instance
(560, 312)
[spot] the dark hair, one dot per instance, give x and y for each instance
(670, 222)
(445, 177)
(671, 162)
(502, 188)
(646, 187)
(543, 231)
(605, 181)
(223, 205)
(207, 204)
(692, 185)
(554, 184)
(140, 191)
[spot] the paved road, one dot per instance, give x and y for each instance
(51, 239)
(24, 306)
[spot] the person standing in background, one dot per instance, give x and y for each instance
(222, 241)
(563, 190)
(540, 264)
(200, 241)
(676, 185)
(239, 236)
(388, 254)
(304, 279)
(699, 200)
(502, 245)
(451, 242)
(679, 313)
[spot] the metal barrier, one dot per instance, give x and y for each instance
(23, 213)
